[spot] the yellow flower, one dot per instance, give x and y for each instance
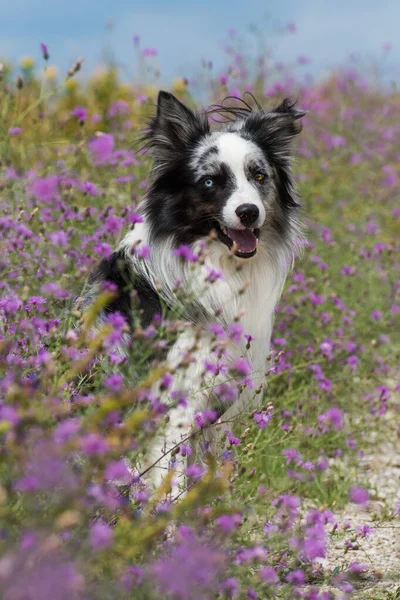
(179, 84)
(52, 72)
(71, 84)
(150, 91)
(27, 62)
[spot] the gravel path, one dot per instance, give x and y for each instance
(380, 549)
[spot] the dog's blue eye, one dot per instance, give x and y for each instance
(208, 183)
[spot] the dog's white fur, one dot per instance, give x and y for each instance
(262, 279)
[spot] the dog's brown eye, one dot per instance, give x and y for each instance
(259, 177)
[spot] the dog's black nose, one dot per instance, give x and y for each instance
(248, 214)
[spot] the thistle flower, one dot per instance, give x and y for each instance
(358, 495)
(44, 51)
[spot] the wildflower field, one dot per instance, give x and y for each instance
(75, 521)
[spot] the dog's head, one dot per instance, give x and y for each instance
(235, 180)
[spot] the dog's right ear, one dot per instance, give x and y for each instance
(174, 128)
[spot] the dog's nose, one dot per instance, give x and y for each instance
(248, 214)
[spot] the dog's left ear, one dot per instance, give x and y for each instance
(174, 128)
(287, 116)
(274, 131)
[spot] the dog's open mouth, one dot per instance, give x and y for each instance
(241, 242)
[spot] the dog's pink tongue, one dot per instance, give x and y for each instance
(245, 239)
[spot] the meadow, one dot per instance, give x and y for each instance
(258, 522)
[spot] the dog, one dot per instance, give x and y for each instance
(228, 192)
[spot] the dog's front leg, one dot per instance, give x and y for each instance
(166, 452)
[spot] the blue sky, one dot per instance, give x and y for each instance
(184, 31)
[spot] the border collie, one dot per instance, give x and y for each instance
(232, 186)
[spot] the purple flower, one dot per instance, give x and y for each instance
(9, 414)
(101, 149)
(59, 238)
(118, 472)
(292, 455)
(303, 60)
(352, 362)
(185, 450)
(228, 523)
(231, 587)
(114, 382)
(241, 366)
(357, 568)
(376, 315)
(190, 569)
(89, 188)
(234, 441)
(217, 330)
(314, 543)
(364, 530)
(262, 419)
(80, 112)
(103, 249)
(205, 417)
(358, 495)
(226, 392)
(100, 535)
(390, 179)
(143, 251)
(120, 107)
(186, 253)
(14, 130)
(269, 576)
(333, 417)
(235, 332)
(66, 430)
(295, 577)
(195, 471)
(93, 444)
(149, 52)
(348, 270)
(47, 576)
(45, 189)
(44, 51)
(47, 469)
